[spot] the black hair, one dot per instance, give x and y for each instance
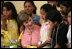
(10, 6)
(47, 7)
(54, 16)
(34, 11)
(65, 3)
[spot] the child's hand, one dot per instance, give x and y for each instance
(39, 47)
(48, 40)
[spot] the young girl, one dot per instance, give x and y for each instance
(45, 31)
(31, 32)
(30, 6)
(59, 29)
(69, 30)
(11, 26)
(44, 10)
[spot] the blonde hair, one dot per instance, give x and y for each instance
(24, 16)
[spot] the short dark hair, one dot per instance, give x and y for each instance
(54, 16)
(33, 4)
(47, 7)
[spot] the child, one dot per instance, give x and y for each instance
(69, 30)
(46, 29)
(59, 29)
(11, 26)
(31, 34)
(30, 6)
(44, 10)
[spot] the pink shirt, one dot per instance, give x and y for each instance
(31, 38)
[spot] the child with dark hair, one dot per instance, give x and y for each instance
(44, 10)
(11, 26)
(31, 32)
(30, 6)
(60, 29)
(45, 31)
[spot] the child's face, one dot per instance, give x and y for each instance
(43, 14)
(29, 23)
(28, 6)
(69, 18)
(7, 13)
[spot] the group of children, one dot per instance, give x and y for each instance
(50, 30)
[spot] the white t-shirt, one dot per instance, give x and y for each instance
(69, 35)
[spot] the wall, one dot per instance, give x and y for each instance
(19, 5)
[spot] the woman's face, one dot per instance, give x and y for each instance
(29, 23)
(28, 7)
(43, 14)
(7, 13)
(63, 9)
(69, 18)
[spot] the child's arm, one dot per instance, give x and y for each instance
(50, 33)
(42, 45)
(48, 41)
(3, 21)
(51, 26)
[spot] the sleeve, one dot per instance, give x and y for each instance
(61, 36)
